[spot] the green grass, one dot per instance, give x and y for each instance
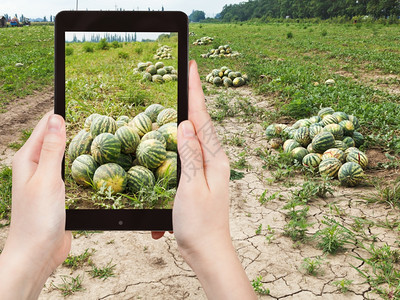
(34, 48)
(25, 136)
(312, 266)
(69, 285)
(5, 192)
(258, 286)
(103, 273)
(77, 261)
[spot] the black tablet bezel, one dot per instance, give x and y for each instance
(121, 21)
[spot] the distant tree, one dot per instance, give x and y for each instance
(51, 18)
(162, 8)
(44, 19)
(197, 16)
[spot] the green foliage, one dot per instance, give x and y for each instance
(25, 136)
(289, 35)
(69, 51)
(343, 284)
(69, 285)
(324, 32)
(312, 265)
(387, 192)
(236, 175)
(103, 273)
(88, 47)
(123, 55)
(116, 44)
(259, 287)
(197, 16)
(103, 44)
(5, 192)
(76, 261)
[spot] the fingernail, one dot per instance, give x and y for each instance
(54, 124)
(187, 129)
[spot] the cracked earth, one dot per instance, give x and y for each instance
(149, 269)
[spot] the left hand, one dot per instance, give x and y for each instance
(37, 242)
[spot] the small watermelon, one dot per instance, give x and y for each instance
(154, 135)
(325, 111)
(355, 122)
(358, 138)
(80, 144)
(302, 135)
(168, 169)
(340, 145)
(105, 148)
(129, 139)
(323, 141)
(336, 153)
(336, 130)
(358, 157)
(348, 127)
(140, 177)
(329, 167)
(102, 124)
(315, 119)
(83, 168)
(271, 131)
(315, 129)
(340, 116)
(170, 134)
(168, 115)
(141, 123)
(123, 119)
(329, 119)
(298, 153)
(125, 161)
(89, 120)
(153, 110)
(349, 142)
(350, 174)
(311, 160)
(111, 175)
(151, 153)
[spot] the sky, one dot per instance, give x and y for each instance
(39, 8)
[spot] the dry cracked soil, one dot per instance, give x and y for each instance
(149, 269)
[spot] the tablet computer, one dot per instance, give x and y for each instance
(121, 83)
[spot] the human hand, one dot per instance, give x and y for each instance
(37, 241)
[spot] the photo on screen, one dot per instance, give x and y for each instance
(121, 91)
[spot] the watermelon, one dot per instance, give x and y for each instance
(140, 177)
(153, 110)
(323, 141)
(271, 131)
(311, 160)
(168, 115)
(83, 168)
(340, 145)
(298, 153)
(168, 169)
(123, 119)
(287, 132)
(151, 153)
(80, 144)
(358, 138)
(275, 143)
(329, 167)
(125, 161)
(351, 149)
(348, 127)
(340, 116)
(349, 142)
(310, 148)
(103, 124)
(350, 174)
(354, 120)
(336, 153)
(336, 130)
(289, 145)
(302, 135)
(141, 123)
(315, 119)
(329, 119)
(129, 139)
(110, 175)
(325, 111)
(280, 128)
(89, 120)
(120, 124)
(315, 129)
(154, 135)
(170, 134)
(301, 123)
(358, 157)
(105, 148)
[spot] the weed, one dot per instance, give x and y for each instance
(387, 193)
(263, 198)
(289, 35)
(236, 175)
(103, 273)
(123, 55)
(258, 230)
(258, 286)
(343, 285)
(103, 44)
(69, 51)
(5, 192)
(88, 47)
(25, 136)
(324, 32)
(312, 266)
(76, 261)
(69, 285)
(242, 162)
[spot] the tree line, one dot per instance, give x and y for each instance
(323, 9)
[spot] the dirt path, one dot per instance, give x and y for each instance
(22, 114)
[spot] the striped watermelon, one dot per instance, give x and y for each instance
(315, 129)
(315, 119)
(153, 110)
(151, 153)
(129, 139)
(329, 119)
(325, 111)
(298, 153)
(349, 142)
(289, 145)
(125, 119)
(80, 144)
(168, 115)
(351, 149)
(110, 175)
(323, 141)
(329, 167)
(358, 138)
(156, 135)
(336, 153)
(286, 132)
(340, 116)
(336, 130)
(168, 169)
(170, 134)
(276, 143)
(350, 174)
(311, 160)
(125, 161)
(310, 148)
(105, 148)
(358, 157)
(340, 145)
(120, 124)
(83, 168)
(89, 120)
(271, 131)
(140, 177)
(348, 127)
(354, 120)
(302, 135)
(301, 123)
(141, 123)
(103, 124)
(280, 128)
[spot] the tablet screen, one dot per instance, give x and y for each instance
(121, 91)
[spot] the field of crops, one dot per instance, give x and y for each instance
(298, 235)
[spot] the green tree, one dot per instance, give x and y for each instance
(197, 16)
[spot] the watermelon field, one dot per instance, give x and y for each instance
(299, 235)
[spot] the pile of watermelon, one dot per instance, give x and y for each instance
(227, 77)
(126, 154)
(220, 52)
(158, 73)
(328, 143)
(164, 52)
(205, 40)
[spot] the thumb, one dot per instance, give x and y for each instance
(191, 156)
(53, 147)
